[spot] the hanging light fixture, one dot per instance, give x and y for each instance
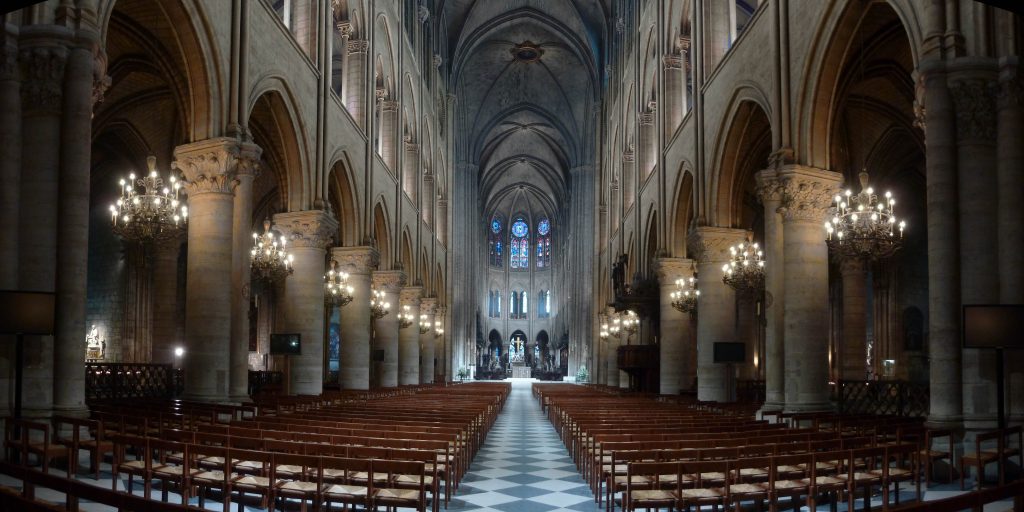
(615, 327)
(148, 211)
(685, 297)
(337, 291)
(745, 270)
(424, 323)
(270, 262)
(379, 308)
(862, 226)
(438, 330)
(630, 323)
(405, 318)
(604, 331)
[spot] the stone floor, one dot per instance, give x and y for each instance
(522, 467)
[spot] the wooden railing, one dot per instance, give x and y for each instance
(885, 397)
(131, 380)
(265, 382)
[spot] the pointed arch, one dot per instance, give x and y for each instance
(343, 197)
(744, 145)
(277, 128)
(382, 234)
(408, 264)
(683, 212)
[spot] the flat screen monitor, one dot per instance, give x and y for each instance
(993, 326)
(289, 344)
(26, 312)
(730, 352)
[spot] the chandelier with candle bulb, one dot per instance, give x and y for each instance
(337, 291)
(438, 329)
(379, 308)
(684, 298)
(862, 226)
(148, 210)
(630, 322)
(405, 318)
(424, 323)
(270, 261)
(745, 270)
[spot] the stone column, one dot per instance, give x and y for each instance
(716, 319)
(165, 302)
(42, 70)
(354, 367)
(441, 365)
(10, 165)
(852, 364)
(648, 144)
(611, 362)
(746, 333)
(675, 94)
(685, 71)
(241, 244)
(441, 225)
(409, 338)
(675, 328)
(427, 205)
(1011, 231)
(410, 174)
(385, 329)
(628, 179)
(944, 352)
(209, 169)
(339, 72)
(355, 78)
(428, 306)
(308, 233)
(389, 134)
(624, 338)
(807, 194)
(770, 194)
(974, 98)
(73, 231)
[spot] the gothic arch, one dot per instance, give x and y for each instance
(743, 148)
(277, 128)
(406, 255)
(344, 199)
(683, 212)
(382, 234)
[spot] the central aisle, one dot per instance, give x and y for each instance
(523, 466)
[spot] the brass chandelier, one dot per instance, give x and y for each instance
(270, 262)
(862, 226)
(405, 318)
(684, 298)
(337, 291)
(745, 270)
(379, 308)
(148, 211)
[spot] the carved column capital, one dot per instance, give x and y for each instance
(807, 193)
(100, 79)
(671, 269)
(628, 155)
(210, 166)
(769, 187)
(684, 43)
(390, 281)
(709, 244)
(646, 118)
(310, 228)
(358, 46)
(9, 63)
(1011, 91)
(672, 62)
(412, 147)
(344, 28)
(388, 105)
(356, 260)
(975, 103)
(428, 306)
(411, 296)
(42, 73)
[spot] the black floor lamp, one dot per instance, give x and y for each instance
(25, 313)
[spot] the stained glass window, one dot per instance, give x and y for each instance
(543, 243)
(494, 243)
(519, 253)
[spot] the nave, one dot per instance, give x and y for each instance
(523, 465)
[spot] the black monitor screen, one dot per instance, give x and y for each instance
(993, 326)
(730, 352)
(26, 312)
(285, 344)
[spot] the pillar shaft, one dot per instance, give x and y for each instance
(355, 79)
(165, 302)
(410, 174)
(42, 70)
(769, 191)
(676, 373)
(648, 145)
(428, 307)
(807, 194)
(73, 234)
(385, 329)
(1011, 231)
(308, 233)
(240, 276)
(973, 94)
(354, 367)
(10, 166)
(389, 138)
(716, 320)
(675, 95)
(409, 338)
(628, 180)
(852, 355)
(209, 167)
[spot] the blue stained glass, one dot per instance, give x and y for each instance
(519, 228)
(514, 260)
(524, 254)
(544, 227)
(495, 226)
(497, 248)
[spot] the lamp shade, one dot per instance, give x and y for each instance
(26, 312)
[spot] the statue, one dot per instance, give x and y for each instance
(95, 346)
(619, 275)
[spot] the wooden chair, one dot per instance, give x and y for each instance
(929, 454)
(255, 479)
(789, 479)
(141, 466)
(981, 458)
(830, 475)
(899, 465)
(749, 481)
(97, 446)
(338, 486)
(863, 475)
(390, 496)
(617, 477)
(214, 464)
(639, 492)
(28, 438)
(303, 485)
(172, 466)
(710, 486)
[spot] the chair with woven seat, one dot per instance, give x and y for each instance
(251, 474)
(141, 466)
(617, 477)
(748, 480)
(337, 485)
(28, 438)
(171, 466)
(981, 458)
(391, 496)
(214, 465)
(863, 475)
(97, 445)
(639, 491)
(899, 465)
(830, 474)
(432, 482)
(710, 483)
(789, 478)
(302, 485)
(931, 452)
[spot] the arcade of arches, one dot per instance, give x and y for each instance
(513, 176)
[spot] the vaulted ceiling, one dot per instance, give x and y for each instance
(525, 74)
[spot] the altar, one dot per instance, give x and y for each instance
(521, 372)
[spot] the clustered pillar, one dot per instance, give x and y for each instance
(409, 338)
(355, 355)
(385, 329)
(769, 191)
(428, 308)
(676, 374)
